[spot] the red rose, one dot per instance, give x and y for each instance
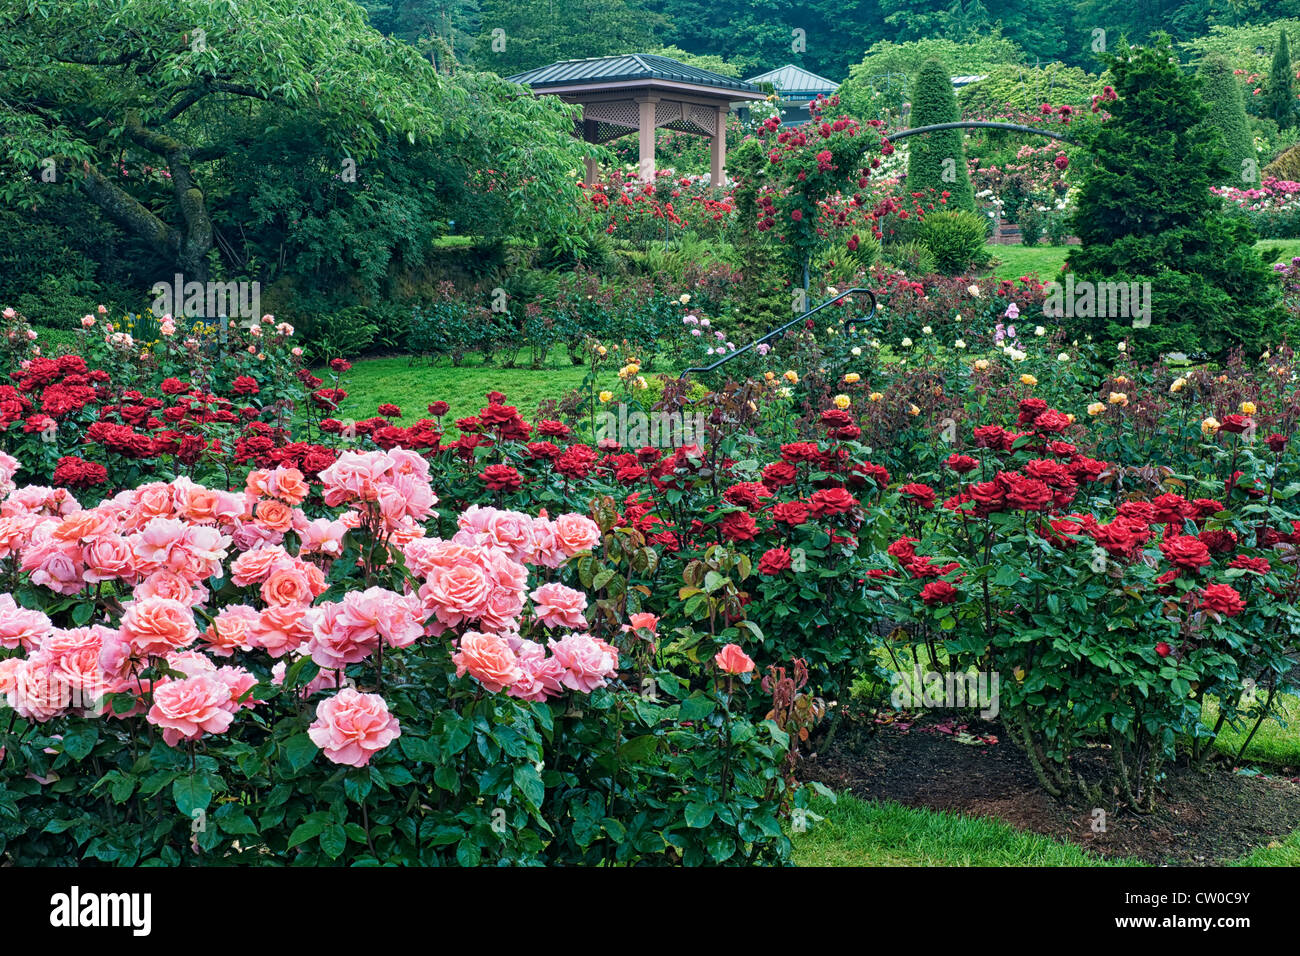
(438, 409)
(389, 410)
(831, 501)
(962, 464)
(74, 472)
(774, 561)
(1163, 649)
(245, 385)
(501, 478)
(1222, 599)
(792, 513)
(1258, 565)
(938, 593)
(738, 526)
(921, 495)
(1185, 551)
(1275, 442)
(779, 474)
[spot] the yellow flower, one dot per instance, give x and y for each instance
(1178, 385)
(1248, 408)
(875, 396)
(641, 382)
(852, 378)
(792, 377)
(606, 396)
(913, 410)
(1210, 427)
(1121, 380)
(981, 365)
(842, 402)
(601, 350)
(1096, 408)
(1118, 398)
(1028, 379)
(770, 376)
(1070, 418)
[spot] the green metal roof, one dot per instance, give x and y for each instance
(794, 82)
(625, 68)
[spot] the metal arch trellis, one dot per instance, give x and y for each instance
(901, 134)
(857, 290)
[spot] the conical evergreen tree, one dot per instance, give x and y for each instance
(938, 160)
(1279, 93)
(1145, 215)
(1226, 112)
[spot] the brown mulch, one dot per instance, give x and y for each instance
(1202, 817)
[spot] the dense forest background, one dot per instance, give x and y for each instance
(753, 37)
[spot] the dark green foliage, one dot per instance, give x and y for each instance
(1279, 93)
(937, 161)
(1226, 113)
(956, 240)
(1145, 214)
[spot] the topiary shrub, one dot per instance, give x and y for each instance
(1146, 215)
(1285, 166)
(938, 160)
(955, 240)
(1226, 114)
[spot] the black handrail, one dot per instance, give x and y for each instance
(775, 332)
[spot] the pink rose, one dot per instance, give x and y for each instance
(558, 606)
(732, 660)
(187, 709)
(351, 727)
(587, 661)
(20, 627)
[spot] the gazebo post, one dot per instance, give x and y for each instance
(718, 150)
(591, 164)
(646, 131)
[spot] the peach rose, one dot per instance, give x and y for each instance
(20, 627)
(273, 515)
(287, 586)
(575, 533)
(558, 606)
(158, 625)
(732, 660)
(488, 659)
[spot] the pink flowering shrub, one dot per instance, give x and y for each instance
(301, 670)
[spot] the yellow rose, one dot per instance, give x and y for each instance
(1210, 427)
(876, 396)
(842, 402)
(606, 396)
(981, 365)
(913, 410)
(1028, 379)
(1096, 408)
(792, 377)
(852, 378)
(1118, 398)
(1178, 385)
(1248, 408)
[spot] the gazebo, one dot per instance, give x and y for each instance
(644, 92)
(797, 87)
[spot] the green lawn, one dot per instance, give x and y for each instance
(1014, 261)
(411, 387)
(857, 833)
(1273, 743)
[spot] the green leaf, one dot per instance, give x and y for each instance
(333, 840)
(639, 749)
(696, 707)
(192, 792)
(699, 815)
(299, 751)
(529, 781)
(80, 741)
(305, 831)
